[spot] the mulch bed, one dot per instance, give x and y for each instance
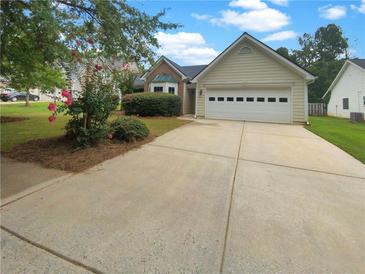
(7, 119)
(60, 154)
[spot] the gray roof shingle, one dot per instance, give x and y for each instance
(189, 71)
(359, 62)
(192, 71)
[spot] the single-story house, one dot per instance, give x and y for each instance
(247, 81)
(347, 90)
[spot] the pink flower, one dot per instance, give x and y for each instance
(125, 66)
(69, 101)
(65, 93)
(90, 40)
(51, 118)
(110, 136)
(98, 67)
(52, 107)
(78, 42)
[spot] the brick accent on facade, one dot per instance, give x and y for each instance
(166, 69)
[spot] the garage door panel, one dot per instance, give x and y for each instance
(277, 109)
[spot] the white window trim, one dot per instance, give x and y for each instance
(165, 87)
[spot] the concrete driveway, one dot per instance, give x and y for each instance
(208, 197)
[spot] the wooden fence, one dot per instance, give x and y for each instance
(317, 109)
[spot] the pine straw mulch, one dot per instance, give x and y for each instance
(8, 119)
(60, 154)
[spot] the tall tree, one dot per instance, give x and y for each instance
(323, 54)
(283, 51)
(38, 36)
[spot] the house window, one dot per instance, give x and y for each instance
(220, 99)
(260, 99)
(345, 103)
(239, 99)
(157, 89)
(229, 99)
(271, 99)
(249, 99)
(172, 90)
(283, 100)
(211, 99)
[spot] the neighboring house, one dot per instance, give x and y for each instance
(75, 76)
(348, 90)
(247, 81)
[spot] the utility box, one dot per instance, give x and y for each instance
(357, 117)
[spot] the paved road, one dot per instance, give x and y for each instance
(208, 197)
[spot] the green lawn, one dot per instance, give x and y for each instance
(37, 126)
(348, 136)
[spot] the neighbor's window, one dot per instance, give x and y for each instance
(249, 99)
(172, 90)
(271, 99)
(229, 99)
(157, 89)
(220, 99)
(260, 99)
(211, 98)
(345, 103)
(239, 99)
(283, 100)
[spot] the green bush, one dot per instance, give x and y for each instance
(90, 111)
(151, 104)
(128, 129)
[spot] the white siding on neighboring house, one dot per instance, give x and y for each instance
(255, 69)
(351, 85)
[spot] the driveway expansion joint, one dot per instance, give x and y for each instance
(37, 188)
(192, 151)
(52, 252)
(231, 201)
(301, 168)
(283, 135)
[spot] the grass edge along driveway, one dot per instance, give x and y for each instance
(343, 133)
(37, 126)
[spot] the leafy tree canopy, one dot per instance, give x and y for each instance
(37, 37)
(323, 54)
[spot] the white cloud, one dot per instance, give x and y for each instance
(280, 2)
(280, 36)
(360, 8)
(332, 12)
(248, 4)
(187, 48)
(200, 16)
(254, 20)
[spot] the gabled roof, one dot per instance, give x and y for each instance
(272, 52)
(172, 64)
(187, 72)
(162, 78)
(192, 71)
(360, 63)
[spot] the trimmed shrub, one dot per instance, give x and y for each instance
(128, 129)
(151, 104)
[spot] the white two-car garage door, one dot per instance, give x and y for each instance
(249, 105)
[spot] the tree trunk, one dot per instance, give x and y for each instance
(27, 99)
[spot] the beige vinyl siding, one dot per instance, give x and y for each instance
(255, 69)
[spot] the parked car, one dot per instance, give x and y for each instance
(14, 95)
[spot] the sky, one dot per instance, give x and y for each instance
(208, 27)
